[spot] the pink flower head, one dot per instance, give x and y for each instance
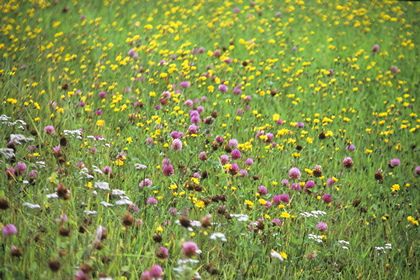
(350, 148)
(294, 173)
(310, 184)
(223, 88)
(193, 129)
(394, 162)
(107, 170)
(237, 91)
(375, 48)
(348, 162)
(176, 145)
(162, 253)
(236, 154)
(202, 156)
(236, 10)
(249, 161)
(152, 200)
(20, 168)
(49, 129)
(276, 222)
(200, 109)
(417, 170)
(224, 159)
(330, 182)
(188, 103)
(281, 198)
(185, 84)
(145, 183)
(295, 186)
(243, 172)
(233, 143)
(195, 119)
(146, 275)
(168, 170)
(262, 190)
(80, 275)
(219, 139)
(327, 198)
(322, 226)
(284, 182)
(190, 249)
(394, 69)
(156, 272)
(9, 229)
(301, 124)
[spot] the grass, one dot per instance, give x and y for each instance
(304, 82)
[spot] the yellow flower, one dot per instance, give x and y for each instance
(285, 215)
(199, 204)
(395, 187)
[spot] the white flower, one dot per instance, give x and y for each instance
(118, 192)
(388, 246)
(89, 212)
(97, 169)
(276, 255)
(345, 247)
(139, 166)
(317, 238)
(241, 217)
(102, 185)
(123, 202)
(8, 153)
(53, 195)
(106, 204)
(17, 138)
(218, 235)
(32, 206)
(343, 242)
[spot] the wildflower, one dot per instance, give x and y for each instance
(322, 226)
(330, 182)
(107, 170)
(281, 198)
(193, 129)
(145, 183)
(218, 235)
(102, 185)
(54, 265)
(237, 91)
(20, 168)
(350, 148)
(224, 159)
(249, 161)
(152, 200)
(348, 162)
(185, 84)
(262, 190)
(176, 134)
(57, 151)
(311, 255)
(189, 103)
(375, 48)
(9, 229)
(156, 272)
(310, 184)
(146, 275)
(236, 10)
(301, 124)
(378, 175)
(128, 219)
(190, 249)
(276, 222)
(327, 198)
(202, 156)
(4, 204)
(233, 143)
(30, 205)
(219, 139)
(15, 252)
(168, 170)
(394, 162)
(294, 173)
(205, 222)
(49, 129)
(81, 275)
(417, 170)
(236, 154)
(284, 182)
(162, 253)
(394, 69)
(223, 88)
(176, 145)
(276, 255)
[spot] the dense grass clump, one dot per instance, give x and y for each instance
(209, 139)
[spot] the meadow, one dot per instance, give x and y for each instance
(209, 139)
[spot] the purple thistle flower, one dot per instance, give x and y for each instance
(168, 170)
(176, 145)
(301, 124)
(262, 190)
(156, 272)
(190, 249)
(350, 148)
(294, 173)
(249, 161)
(9, 229)
(152, 200)
(327, 198)
(348, 162)
(185, 84)
(236, 154)
(223, 88)
(394, 162)
(233, 143)
(310, 184)
(20, 168)
(322, 226)
(224, 159)
(49, 129)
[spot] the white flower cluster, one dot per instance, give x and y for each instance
(6, 120)
(8, 153)
(241, 217)
(77, 133)
(343, 242)
(18, 138)
(381, 250)
(218, 235)
(315, 213)
(315, 237)
(184, 268)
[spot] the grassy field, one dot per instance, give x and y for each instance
(209, 139)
